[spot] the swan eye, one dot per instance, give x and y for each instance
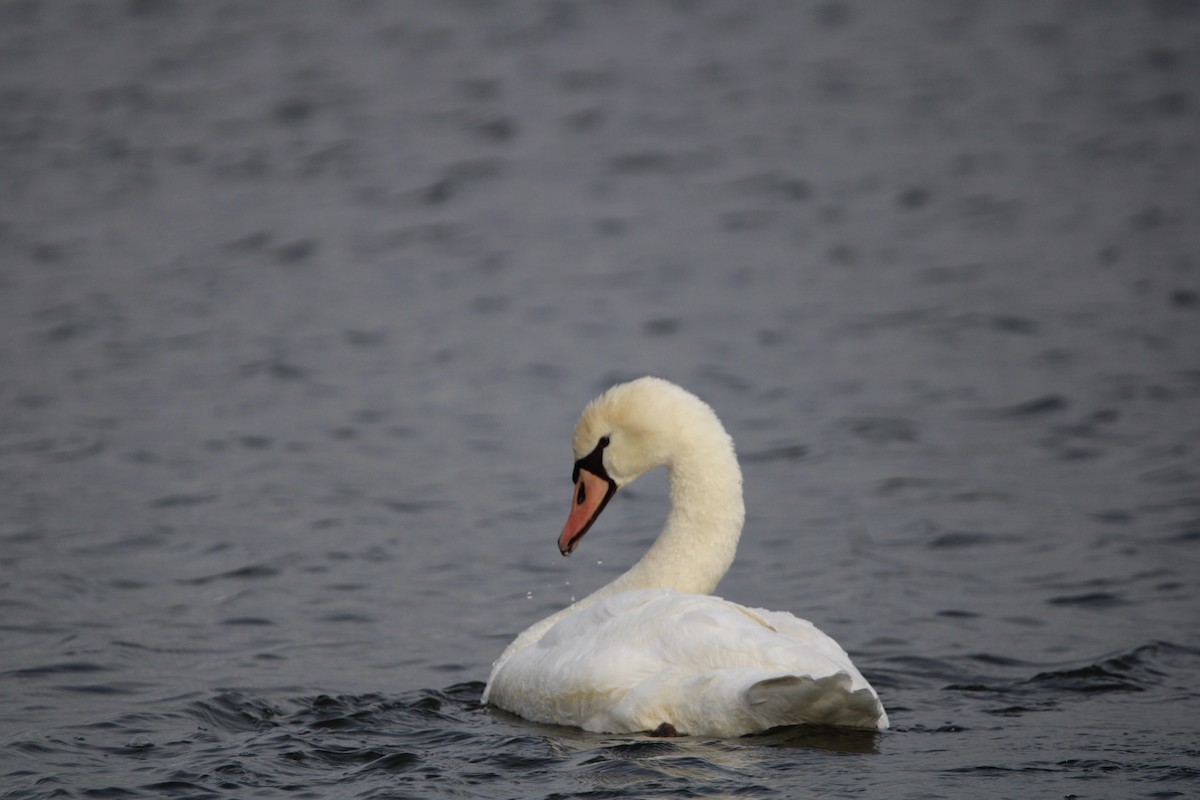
(580, 497)
(593, 462)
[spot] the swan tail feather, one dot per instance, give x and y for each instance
(803, 699)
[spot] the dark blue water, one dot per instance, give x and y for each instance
(299, 303)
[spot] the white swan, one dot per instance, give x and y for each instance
(653, 650)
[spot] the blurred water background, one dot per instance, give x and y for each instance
(299, 303)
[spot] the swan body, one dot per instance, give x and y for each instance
(654, 650)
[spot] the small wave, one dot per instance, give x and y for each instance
(61, 668)
(250, 572)
(1037, 406)
(235, 712)
(1089, 600)
(1133, 670)
(964, 539)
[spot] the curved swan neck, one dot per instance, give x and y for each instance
(701, 534)
(665, 426)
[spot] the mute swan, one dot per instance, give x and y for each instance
(654, 650)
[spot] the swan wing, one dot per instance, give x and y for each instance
(706, 666)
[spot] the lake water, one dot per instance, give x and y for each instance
(299, 303)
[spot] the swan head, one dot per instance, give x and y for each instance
(632, 428)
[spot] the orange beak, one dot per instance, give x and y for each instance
(592, 493)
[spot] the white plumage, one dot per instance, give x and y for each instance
(654, 647)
